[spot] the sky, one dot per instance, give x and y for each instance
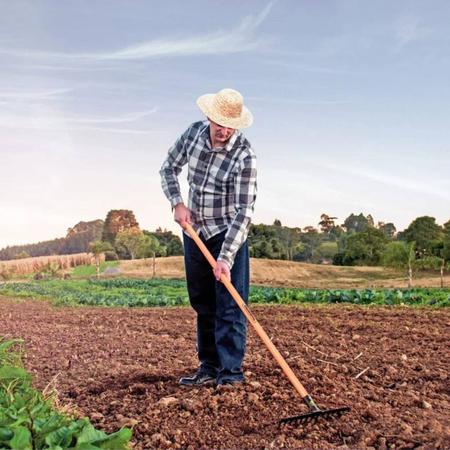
(351, 102)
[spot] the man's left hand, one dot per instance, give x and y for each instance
(222, 268)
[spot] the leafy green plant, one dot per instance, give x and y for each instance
(29, 421)
(49, 270)
(154, 292)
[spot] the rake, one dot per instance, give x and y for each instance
(314, 411)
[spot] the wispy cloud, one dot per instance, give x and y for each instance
(109, 130)
(407, 30)
(126, 118)
(410, 184)
(294, 101)
(292, 66)
(240, 39)
(62, 122)
(65, 68)
(15, 94)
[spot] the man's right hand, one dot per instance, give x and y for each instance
(182, 214)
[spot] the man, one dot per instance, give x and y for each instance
(222, 192)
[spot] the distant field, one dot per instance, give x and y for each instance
(293, 274)
(266, 272)
(27, 266)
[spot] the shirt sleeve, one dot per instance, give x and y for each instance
(171, 168)
(245, 196)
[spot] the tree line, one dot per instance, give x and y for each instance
(357, 241)
(424, 244)
(118, 236)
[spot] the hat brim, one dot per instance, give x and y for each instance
(206, 105)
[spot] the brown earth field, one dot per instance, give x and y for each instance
(270, 272)
(121, 367)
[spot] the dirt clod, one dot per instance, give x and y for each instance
(167, 401)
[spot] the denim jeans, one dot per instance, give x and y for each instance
(221, 326)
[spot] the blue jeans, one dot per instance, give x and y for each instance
(221, 326)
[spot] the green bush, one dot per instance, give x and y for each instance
(111, 256)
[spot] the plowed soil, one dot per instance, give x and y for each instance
(121, 367)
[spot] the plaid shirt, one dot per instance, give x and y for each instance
(222, 185)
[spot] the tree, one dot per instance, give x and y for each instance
(311, 236)
(171, 243)
(302, 252)
(356, 223)
(273, 241)
(117, 221)
(335, 233)
(325, 252)
(446, 243)
(444, 253)
(326, 223)
(433, 263)
(97, 248)
(79, 237)
(22, 255)
(400, 255)
(129, 242)
(423, 231)
(271, 249)
(174, 247)
(289, 237)
(364, 248)
(388, 229)
(150, 247)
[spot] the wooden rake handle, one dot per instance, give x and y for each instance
(248, 314)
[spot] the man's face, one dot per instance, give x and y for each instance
(219, 133)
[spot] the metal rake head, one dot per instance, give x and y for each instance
(316, 415)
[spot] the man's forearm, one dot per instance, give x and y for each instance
(234, 238)
(170, 185)
(171, 168)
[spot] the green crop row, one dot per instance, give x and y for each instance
(28, 420)
(414, 297)
(118, 292)
(162, 292)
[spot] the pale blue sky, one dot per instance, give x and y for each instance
(351, 102)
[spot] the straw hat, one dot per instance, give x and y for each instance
(226, 108)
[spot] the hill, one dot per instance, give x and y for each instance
(76, 240)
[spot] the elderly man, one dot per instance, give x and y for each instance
(222, 192)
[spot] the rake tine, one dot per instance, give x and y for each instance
(315, 415)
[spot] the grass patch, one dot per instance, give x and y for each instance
(88, 270)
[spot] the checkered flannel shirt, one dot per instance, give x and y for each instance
(222, 185)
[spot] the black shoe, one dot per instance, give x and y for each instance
(199, 379)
